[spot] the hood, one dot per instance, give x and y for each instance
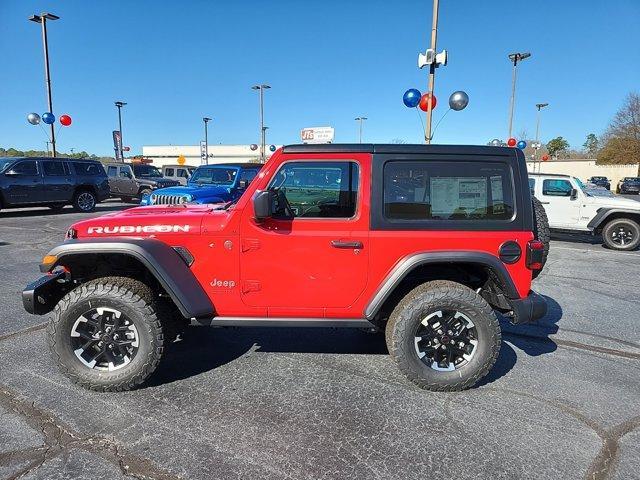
(195, 191)
(615, 201)
(152, 221)
(159, 182)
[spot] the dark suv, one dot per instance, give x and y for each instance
(135, 180)
(52, 182)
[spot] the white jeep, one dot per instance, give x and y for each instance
(570, 206)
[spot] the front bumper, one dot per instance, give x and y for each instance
(39, 297)
(529, 309)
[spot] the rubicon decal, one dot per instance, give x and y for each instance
(124, 229)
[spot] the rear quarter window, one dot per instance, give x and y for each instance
(447, 191)
(88, 168)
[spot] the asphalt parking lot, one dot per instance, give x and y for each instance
(562, 402)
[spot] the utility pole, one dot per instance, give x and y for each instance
(206, 120)
(361, 119)
(263, 129)
(432, 71)
(539, 106)
(515, 58)
(119, 106)
(42, 20)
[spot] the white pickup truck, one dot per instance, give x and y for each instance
(572, 207)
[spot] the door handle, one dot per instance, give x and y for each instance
(343, 244)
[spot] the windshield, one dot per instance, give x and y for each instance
(214, 176)
(147, 171)
(5, 162)
(583, 187)
(632, 179)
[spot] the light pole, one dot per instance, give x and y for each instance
(206, 120)
(119, 106)
(42, 20)
(539, 106)
(432, 72)
(263, 130)
(515, 58)
(361, 119)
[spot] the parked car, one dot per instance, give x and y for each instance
(135, 180)
(180, 173)
(319, 238)
(573, 208)
(600, 182)
(52, 182)
(629, 185)
(208, 184)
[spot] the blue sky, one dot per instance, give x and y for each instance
(327, 62)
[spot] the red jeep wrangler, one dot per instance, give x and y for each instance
(425, 242)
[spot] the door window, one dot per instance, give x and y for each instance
(556, 188)
(53, 168)
(112, 171)
(182, 173)
(169, 172)
(248, 175)
(29, 167)
(532, 186)
(316, 189)
(125, 172)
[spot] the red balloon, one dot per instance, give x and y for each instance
(65, 120)
(512, 142)
(545, 158)
(424, 102)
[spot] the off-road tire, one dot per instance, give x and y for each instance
(80, 198)
(138, 303)
(616, 224)
(421, 302)
(541, 230)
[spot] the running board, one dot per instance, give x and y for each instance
(286, 322)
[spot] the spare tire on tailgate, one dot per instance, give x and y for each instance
(540, 230)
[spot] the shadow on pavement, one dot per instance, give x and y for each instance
(46, 211)
(206, 348)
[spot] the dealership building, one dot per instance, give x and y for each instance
(169, 154)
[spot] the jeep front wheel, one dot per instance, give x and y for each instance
(443, 336)
(621, 234)
(107, 334)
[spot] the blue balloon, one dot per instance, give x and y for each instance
(48, 118)
(272, 148)
(522, 144)
(411, 97)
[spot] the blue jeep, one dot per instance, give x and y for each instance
(219, 183)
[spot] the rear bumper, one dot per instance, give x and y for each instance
(528, 309)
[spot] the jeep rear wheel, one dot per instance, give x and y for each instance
(443, 336)
(621, 234)
(107, 334)
(541, 230)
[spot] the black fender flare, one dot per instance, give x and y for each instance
(407, 264)
(162, 261)
(601, 216)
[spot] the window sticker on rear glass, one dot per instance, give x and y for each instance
(458, 195)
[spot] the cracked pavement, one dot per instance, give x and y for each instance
(562, 402)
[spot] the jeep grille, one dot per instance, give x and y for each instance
(160, 199)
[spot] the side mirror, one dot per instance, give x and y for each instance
(263, 204)
(574, 194)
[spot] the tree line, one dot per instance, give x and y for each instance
(13, 152)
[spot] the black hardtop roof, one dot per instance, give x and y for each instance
(393, 148)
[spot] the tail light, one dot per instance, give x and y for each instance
(535, 252)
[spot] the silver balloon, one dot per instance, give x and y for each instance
(458, 100)
(33, 118)
(496, 142)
